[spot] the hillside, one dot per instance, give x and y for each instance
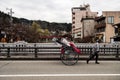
(5, 19)
(19, 29)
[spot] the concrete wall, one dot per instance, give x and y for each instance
(88, 26)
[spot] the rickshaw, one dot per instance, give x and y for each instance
(69, 54)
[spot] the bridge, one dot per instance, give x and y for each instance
(55, 70)
(51, 51)
(41, 61)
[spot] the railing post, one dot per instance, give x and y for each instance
(35, 51)
(117, 53)
(91, 50)
(8, 52)
(104, 49)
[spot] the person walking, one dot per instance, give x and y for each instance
(95, 52)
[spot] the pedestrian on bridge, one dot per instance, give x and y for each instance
(95, 52)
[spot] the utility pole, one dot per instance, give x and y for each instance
(10, 13)
(10, 29)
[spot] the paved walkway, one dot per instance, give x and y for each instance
(52, 70)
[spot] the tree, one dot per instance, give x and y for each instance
(46, 32)
(34, 32)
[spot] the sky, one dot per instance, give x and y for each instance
(54, 10)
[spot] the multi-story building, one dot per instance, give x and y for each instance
(100, 26)
(82, 17)
(105, 29)
(116, 38)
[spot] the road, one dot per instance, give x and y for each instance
(55, 70)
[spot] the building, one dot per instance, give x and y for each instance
(100, 26)
(82, 17)
(105, 29)
(116, 38)
(88, 24)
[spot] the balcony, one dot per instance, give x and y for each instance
(101, 25)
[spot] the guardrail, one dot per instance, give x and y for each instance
(49, 51)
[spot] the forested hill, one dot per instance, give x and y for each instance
(5, 20)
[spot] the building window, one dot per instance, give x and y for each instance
(73, 13)
(73, 22)
(110, 19)
(118, 31)
(73, 26)
(79, 34)
(73, 17)
(101, 30)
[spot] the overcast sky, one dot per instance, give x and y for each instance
(54, 10)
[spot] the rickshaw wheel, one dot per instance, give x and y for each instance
(69, 57)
